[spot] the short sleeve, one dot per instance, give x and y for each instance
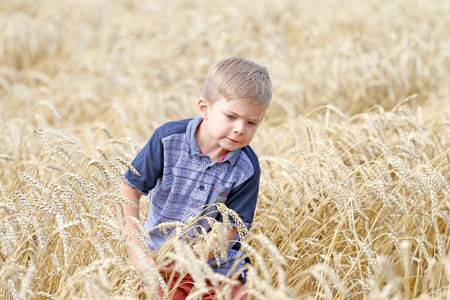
(149, 163)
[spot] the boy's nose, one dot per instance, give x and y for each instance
(239, 128)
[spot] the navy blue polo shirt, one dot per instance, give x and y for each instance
(182, 180)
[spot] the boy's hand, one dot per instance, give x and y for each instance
(202, 248)
(166, 272)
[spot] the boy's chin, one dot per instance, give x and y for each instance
(231, 148)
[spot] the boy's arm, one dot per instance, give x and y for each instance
(134, 196)
(129, 211)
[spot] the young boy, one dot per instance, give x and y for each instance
(191, 163)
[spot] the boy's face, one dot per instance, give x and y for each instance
(230, 124)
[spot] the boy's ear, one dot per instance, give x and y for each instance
(203, 107)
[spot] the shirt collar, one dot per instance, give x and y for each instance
(194, 149)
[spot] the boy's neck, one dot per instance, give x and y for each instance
(215, 152)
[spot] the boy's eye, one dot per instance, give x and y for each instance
(231, 117)
(252, 123)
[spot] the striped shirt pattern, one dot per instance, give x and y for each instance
(183, 180)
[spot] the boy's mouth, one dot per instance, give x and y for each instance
(234, 141)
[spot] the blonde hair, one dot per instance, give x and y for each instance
(238, 78)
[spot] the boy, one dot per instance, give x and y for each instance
(191, 163)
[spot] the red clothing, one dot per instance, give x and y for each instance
(179, 288)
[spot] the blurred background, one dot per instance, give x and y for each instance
(132, 65)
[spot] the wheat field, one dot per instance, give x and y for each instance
(354, 149)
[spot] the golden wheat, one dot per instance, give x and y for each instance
(354, 149)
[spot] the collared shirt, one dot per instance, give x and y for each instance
(182, 180)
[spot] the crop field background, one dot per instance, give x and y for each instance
(354, 149)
